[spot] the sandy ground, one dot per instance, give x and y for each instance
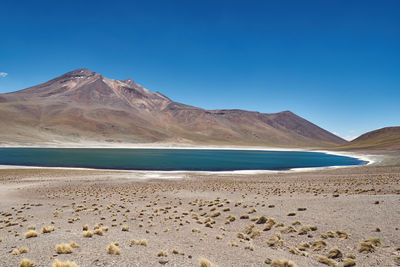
(221, 217)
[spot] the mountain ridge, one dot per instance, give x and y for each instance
(387, 138)
(85, 105)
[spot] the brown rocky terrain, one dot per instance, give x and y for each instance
(387, 138)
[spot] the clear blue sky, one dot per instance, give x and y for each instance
(335, 63)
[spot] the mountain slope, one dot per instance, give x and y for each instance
(84, 105)
(385, 138)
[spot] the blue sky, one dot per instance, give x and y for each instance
(335, 63)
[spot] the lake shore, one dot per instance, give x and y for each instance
(366, 157)
(190, 215)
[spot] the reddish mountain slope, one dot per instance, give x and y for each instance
(84, 105)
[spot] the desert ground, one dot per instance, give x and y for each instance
(325, 217)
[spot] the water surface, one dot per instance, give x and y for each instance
(171, 159)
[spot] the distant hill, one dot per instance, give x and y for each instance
(382, 139)
(85, 106)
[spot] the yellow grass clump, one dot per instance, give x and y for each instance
(318, 245)
(283, 263)
(64, 248)
(287, 230)
(26, 263)
(297, 251)
(304, 230)
(349, 262)
(366, 247)
(268, 225)
(46, 230)
(203, 262)
(334, 253)
(342, 234)
(326, 261)
(125, 228)
(85, 227)
(275, 241)
(375, 241)
(162, 254)
(215, 214)
(142, 242)
(261, 220)
(19, 251)
(304, 246)
(87, 234)
(30, 234)
(113, 249)
(58, 263)
(74, 245)
(99, 231)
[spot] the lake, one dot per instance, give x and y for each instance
(171, 159)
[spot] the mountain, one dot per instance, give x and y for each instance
(85, 106)
(382, 139)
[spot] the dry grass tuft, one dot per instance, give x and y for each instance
(304, 230)
(99, 232)
(46, 230)
(261, 220)
(58, 263)
(366, 247)
(26, 263)
(142, 242)
(64, 248)
(287, 230)
(318, 245)
(374, 241)
(74, 245)
(326, 261)
(268, 225)
(297, 251)
(349, 262)
(203, 262)
(342, 234)
(125, 228)
(304, 246)
(176, 252)
(215, 214)
(19, 251)
(162, 254)
(87, 234)
(283, 263)
(275, 241)
(249, 247)
(85, 227)
(30, 234)
(334, 253)
(15, 252)
(113, 249)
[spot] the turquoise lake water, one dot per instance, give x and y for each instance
(171, 159)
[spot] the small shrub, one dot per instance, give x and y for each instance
(26, 263)
(113, 249)
(30, 234)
